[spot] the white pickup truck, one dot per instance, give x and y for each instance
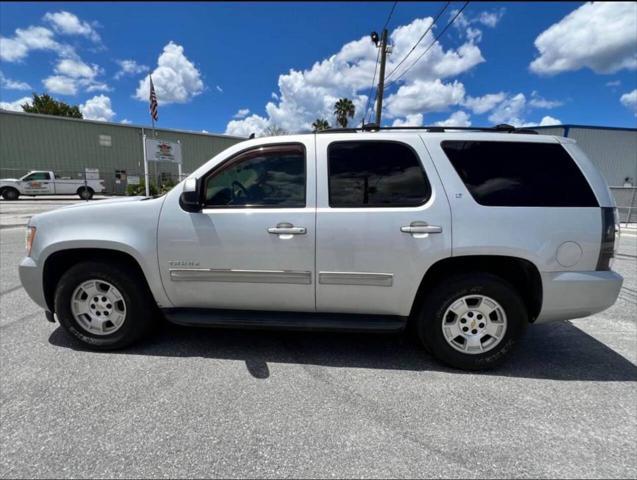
(42, 182)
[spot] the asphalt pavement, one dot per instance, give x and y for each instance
(219, 403)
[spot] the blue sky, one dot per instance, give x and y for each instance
(217, 59)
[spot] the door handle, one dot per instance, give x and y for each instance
(287, 229)
(421, 227)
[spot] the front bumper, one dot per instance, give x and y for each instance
(568, 295)
(32, 281)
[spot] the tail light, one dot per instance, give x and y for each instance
(30, 236)
(610, 237)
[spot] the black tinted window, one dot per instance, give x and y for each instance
(264, 177)
(514, 174)
(38, 176)
(375, 174)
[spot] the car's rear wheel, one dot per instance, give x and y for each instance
(85, 193)
(10, 194)
(472, 321)
(103, 306)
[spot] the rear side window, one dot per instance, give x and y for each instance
(516, 174)
(375, 174)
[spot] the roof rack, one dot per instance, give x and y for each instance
(372, 127)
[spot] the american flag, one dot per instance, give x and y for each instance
(153, 101)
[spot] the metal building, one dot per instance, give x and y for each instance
(70, 146)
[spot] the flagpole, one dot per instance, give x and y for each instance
(146, 186)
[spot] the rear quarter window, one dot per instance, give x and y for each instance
(517, 174)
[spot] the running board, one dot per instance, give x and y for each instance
(253, 319)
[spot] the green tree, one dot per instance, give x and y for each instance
(320, 124)
(343, 109)
(46, 105)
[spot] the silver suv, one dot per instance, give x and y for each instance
(464, 236)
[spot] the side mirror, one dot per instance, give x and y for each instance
(189, 198)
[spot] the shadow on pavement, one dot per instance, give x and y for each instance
(558, 351)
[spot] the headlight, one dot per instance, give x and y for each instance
(30, 236)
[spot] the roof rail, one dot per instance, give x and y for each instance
(372, 127)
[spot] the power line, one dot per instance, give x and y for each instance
(430, 45)
(391, 12)
(419, 40)
(371, 89)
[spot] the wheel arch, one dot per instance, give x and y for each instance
(522, 274)
(82, 187)
(58, 262)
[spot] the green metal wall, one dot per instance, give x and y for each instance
(41, 142)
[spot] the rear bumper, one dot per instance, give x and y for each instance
(31, 279)
(569, 295)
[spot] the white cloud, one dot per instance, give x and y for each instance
(129, 67)
(548, 120)
(242, 113)
(538, 102)
(98, 108)
(126, 121)
(176, 79)
(305, 95)
(60, 84)
(96, 87)
(491, 19)
(76, 68)
(420, 96)
(465, 22)
(10, 84)
(479, 105)
(456, 119)
(12, 50)
(414, 120)
(69, 24)
(510, 111)
(249, 125)
(219, 89)
(73, 75)
(600, 36)
(17, 48)
(629, 100)
(613, 83)
(16, 106)
(514, 109)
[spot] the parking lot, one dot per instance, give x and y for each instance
(221, 403)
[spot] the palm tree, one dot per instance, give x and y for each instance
(320, 124)
(344, 108)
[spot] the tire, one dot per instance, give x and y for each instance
(85, 193)
(10, 194)
(138, 304)
(474, 294)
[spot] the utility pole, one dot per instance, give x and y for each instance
(381, 78)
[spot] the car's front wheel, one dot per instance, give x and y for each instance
(85, 193)
(10, 194)
(472, 321)
(102, 305)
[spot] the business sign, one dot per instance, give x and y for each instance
(133, 179)
(162, 151)
(92, 173)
